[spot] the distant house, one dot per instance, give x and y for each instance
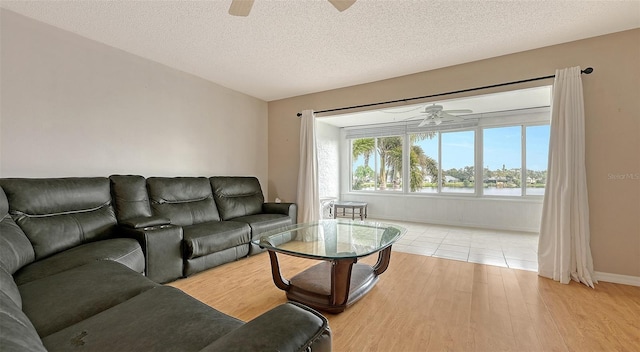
(495, 180)
(449, 179)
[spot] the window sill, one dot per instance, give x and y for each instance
(459, 196)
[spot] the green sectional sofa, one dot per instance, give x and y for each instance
(82, 262)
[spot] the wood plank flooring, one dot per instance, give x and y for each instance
(431, 304)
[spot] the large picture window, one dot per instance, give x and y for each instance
(508, 161)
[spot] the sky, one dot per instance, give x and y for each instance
(501, 146)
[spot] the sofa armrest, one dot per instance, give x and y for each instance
(290, 209)
(145, 221)
(288, 327)
(162, 247)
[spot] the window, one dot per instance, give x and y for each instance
(443, 162)
(389, 163)
(362, 150)
(502, 159)
(423, 163)
(458, 160)
(377, 163)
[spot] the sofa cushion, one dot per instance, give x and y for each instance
(61, 300)
(126, 251)
(16, 331)
(261, 223)
(214, 236)
(9, 287)
(15, 248)
(184, 200)
(237, 196)
(130, 197)
(57, 214)
(265, 333)
(196, 265)
(4, 204)
(161, 319)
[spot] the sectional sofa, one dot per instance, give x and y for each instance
(82, 261)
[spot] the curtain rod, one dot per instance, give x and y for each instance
(586, 71)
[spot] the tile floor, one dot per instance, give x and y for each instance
(511, 249)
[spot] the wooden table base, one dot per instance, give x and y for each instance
(331, 286)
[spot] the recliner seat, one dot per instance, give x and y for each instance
(208, 241)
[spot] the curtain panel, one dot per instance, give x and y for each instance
(564, 252)
(308, 198)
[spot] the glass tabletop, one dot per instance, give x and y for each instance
(332, 239)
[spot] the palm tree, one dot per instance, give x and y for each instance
(389, 150)
(421, 165)
(364, 147)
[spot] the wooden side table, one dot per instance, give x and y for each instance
(361, 206)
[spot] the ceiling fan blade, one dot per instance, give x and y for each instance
(424, 122)
(444, 115)
(413, 117)
(342, 5)
(461, 111)
(240, 7)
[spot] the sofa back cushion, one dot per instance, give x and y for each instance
(15, 249)
(237, 196)
(184, 200)
(60, 213)
(130, 197)
(8, 287)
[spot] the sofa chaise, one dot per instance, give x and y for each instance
(74, 253)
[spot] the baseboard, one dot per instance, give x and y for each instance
(618, 279)
(458, 224)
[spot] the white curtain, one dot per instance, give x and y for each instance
(308, 196)
(563, 248)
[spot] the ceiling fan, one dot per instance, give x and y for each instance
(243, 7)
(434, 114)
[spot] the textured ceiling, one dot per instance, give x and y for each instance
(290, 48)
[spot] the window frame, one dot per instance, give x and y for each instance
(375, 166)
(531, 117)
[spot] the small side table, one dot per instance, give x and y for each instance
(361, 206)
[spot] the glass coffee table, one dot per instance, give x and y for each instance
(338, 281)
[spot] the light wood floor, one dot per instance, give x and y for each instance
(431, 304)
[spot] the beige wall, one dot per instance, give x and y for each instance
(74, 107)
(612, 107)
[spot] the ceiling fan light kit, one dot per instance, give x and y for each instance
(242, 8)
